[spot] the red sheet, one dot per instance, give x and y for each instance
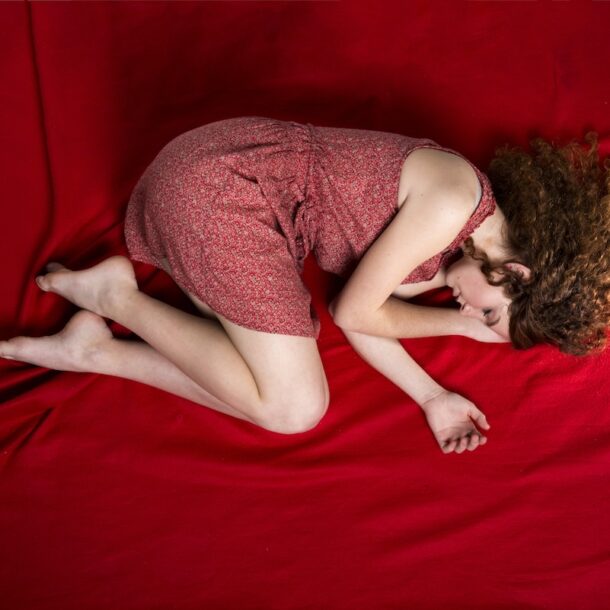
(117, 495)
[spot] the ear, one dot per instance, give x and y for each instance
(524, 271)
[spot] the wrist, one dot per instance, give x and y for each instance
(432, 392)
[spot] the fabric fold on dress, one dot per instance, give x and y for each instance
(237, 205)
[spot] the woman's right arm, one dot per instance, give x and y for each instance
(389, 357)
(451, 417)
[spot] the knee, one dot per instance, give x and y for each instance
(294, 419)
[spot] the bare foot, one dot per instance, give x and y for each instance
(94, 289)
(71, 349)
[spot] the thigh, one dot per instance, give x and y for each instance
(288, 369)
(282, 365)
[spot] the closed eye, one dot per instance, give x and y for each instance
(486, 313)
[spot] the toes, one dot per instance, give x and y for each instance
(7, 349)
(43, 281)
(54, 266)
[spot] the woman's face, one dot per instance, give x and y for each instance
(478, 298)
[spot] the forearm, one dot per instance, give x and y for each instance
(388, 356)
(398, 319)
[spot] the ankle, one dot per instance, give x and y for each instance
(117, 301)
(96, 358)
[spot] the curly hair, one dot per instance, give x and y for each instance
(557, 207)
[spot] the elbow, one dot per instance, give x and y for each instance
(339, 316)
(342, 323)
(346, 321)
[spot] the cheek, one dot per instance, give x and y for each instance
(487, 295)
(474, 286)
(461, 273)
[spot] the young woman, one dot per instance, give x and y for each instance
(231, 209)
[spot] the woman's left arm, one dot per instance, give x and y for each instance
(402, 320)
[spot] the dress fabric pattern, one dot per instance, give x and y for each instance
(235, 206)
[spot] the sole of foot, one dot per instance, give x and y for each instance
(74, 348)
(94, 289)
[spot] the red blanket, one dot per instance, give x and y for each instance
(114, 494)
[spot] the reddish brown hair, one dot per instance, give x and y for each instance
(557, 206)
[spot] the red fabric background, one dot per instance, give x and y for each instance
(117, 495)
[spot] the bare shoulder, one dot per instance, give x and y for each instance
(428, 223)
(427, 167)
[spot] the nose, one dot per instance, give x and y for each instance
(467, 310)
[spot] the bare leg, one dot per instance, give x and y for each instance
(139, 361)
(198, 348)
(86, 344)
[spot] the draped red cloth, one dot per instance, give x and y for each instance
(114, 494)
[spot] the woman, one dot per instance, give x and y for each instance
(231, 209)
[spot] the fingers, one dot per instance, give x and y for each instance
(479, 418)
(462, 443)
(475, 439)
(469, 441)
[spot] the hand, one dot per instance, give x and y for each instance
(479, 331)
(449, 417)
